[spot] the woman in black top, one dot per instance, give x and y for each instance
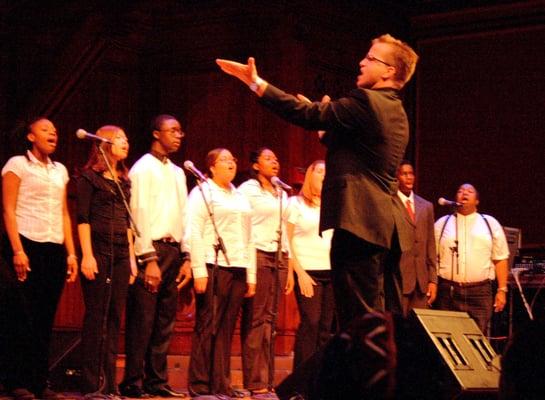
(107, 258)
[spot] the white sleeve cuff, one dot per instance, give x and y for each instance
(200, 272)
(251, 276)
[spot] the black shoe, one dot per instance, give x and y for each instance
(166, 391)
(115, 396)
(22, 394)
(99, 396)
(48, 394)
(134, 391)
(241, 393)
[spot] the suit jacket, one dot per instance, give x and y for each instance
(366, 135)
(418, 266)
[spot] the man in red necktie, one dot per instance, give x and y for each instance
(418, 265)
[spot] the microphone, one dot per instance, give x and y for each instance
(83, 134)
(444, 202)
(278, 183)
(196, 173)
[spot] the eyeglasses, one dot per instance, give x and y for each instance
(173, 131)
(227, 159)
(371, 58)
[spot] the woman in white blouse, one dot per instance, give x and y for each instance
(259, 312)
(41, 254)
(235, 275)
(309, 258)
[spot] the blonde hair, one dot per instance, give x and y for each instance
(307, 191)
(96, 162)
(405, 58)
(211, 158)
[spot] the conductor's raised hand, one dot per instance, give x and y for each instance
(247, 73)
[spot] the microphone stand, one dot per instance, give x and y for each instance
(218, 246)
(120, 190)
(277, 259)
(454, 252)
(516, 272)
(454, 249)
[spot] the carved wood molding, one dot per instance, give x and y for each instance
(476, 20)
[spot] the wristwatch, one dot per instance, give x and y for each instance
(503, 289)
(255, 84)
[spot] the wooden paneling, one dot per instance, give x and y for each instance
(476, 102)
(480, 112)
(124, 62)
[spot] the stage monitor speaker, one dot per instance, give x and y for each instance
(454, 355)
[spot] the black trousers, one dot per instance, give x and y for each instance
(30, 313)
(150, 322)
(365, 277)
(415, 299)
(105, 299)
(477, 301)
(316, 314)
(258, 314)
(210, 363)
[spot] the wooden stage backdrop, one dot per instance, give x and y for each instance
(476, 104)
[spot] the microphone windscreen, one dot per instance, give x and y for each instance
(81, 133)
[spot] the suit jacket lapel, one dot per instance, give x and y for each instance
(405, 212)
(418, 208)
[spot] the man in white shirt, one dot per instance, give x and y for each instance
(472, 251)
(158, 204)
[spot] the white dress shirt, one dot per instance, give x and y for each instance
(158, 202)
(404, 199)
(309, 248)
(265, 216)
(39, 209)
(232, 214)
(477, 249)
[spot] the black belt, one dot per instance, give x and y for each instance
(167, 240)
(284, 253)
(464, 284)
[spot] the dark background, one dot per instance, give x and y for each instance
(476, 103)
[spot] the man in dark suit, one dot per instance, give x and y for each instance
(418, 266)
(366, 135)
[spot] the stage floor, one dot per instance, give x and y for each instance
(79, 396)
